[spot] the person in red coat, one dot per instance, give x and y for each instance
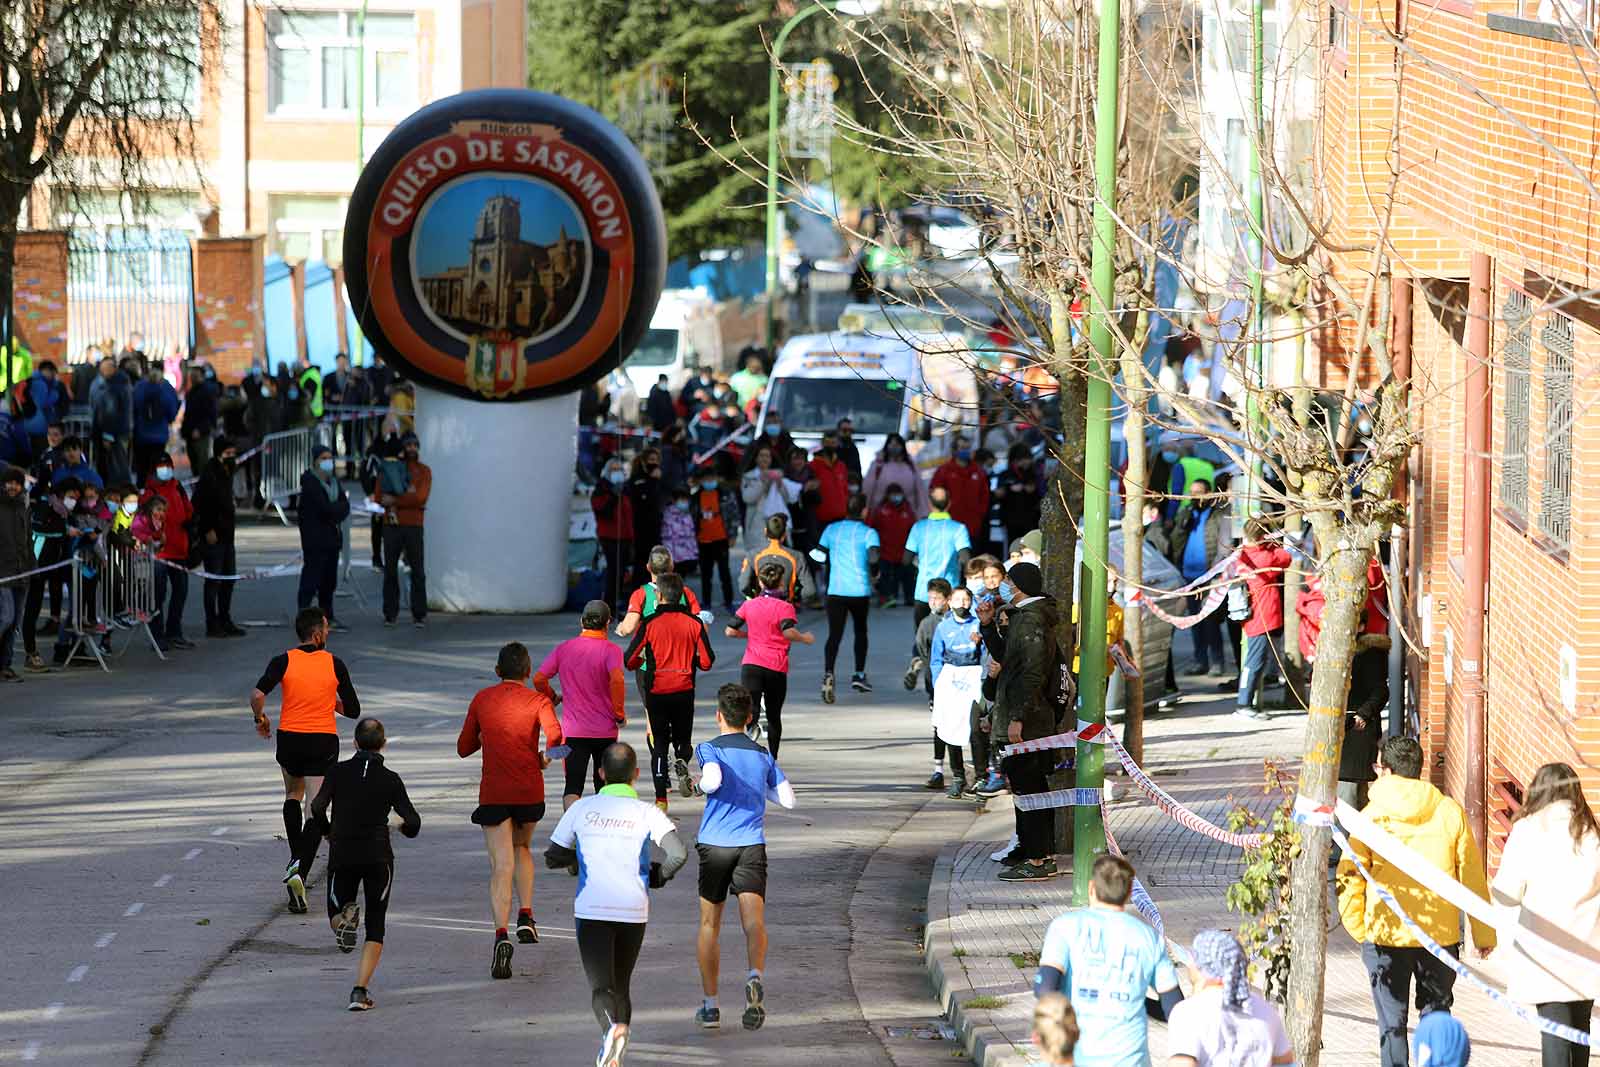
(1261, 562)
(613, 528)
(893, 520)
(834, 479)
(968, 486)
(173, 581)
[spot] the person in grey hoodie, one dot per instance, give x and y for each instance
(16, 557)
(111, 414)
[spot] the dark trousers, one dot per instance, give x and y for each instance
(609, 951)
(767, 687)
(896, 581)
(54, 551)
(619, 557)
(13, 596)
(1391, 971)
(377, 542)
(942, 748)
(1207, 634)
(112, 461)
(218, 595)
(714, 556)
(144, 460)
(1559, 1052)
(919, 611)
(1026, 772)
(671, 718)
(980, 739)
(856, 608)
(319, 576)
(1234, 631)
(406, 541)
(172, 595)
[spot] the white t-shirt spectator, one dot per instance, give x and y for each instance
(1205, 1029)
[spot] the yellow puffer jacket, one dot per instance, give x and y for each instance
(1435, 826)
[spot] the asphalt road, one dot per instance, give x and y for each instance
(141, 850)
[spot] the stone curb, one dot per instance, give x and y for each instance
(981, 1039)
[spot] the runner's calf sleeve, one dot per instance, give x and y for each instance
(292, 821)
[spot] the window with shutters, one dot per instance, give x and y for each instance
(1555, 495)
(1518, 359)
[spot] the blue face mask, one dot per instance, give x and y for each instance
(708, 483)
(325, 466)
(963, 454)
(774, 429)
(164, 474)
(1169, 455)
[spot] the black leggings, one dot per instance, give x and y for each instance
(1559, 1052)
(374, 880)
(856, 608)
(609, 951)
(54, 551)
(584, 749)
(766, 684)
(940, 748)
(671, 718)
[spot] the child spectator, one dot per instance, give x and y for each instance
(678, 533)
(1055, 1029)
(174, 550)
(893, 520)
(938, 604)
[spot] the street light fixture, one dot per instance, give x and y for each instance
(849, 9)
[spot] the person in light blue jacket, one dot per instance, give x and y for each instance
(957, 653)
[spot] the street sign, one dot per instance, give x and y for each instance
(808, 123)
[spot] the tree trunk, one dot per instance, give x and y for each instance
(1133, 491)
(9, 209)
(1295, 663)
(1344, 584)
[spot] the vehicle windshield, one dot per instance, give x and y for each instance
(811, 405)
(657, 348)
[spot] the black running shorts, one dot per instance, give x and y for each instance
(495, 814)
(741, 869)
(307, 755)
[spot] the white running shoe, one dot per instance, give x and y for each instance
(613, 1048)
(996, 857)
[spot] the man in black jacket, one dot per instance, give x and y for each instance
(323, 508)
(363, 792)
(16, 557)
(214, 524)
(111, 415)
(1023, 711)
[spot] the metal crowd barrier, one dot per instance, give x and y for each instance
(285, 456)
(113, 589)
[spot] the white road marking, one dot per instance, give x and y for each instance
(53, 1010)
(436, 722)
(30, 1051)
(78, 972)
(133, 909)
(191, 854)
(104, 940)
(219, 831)
(161, 882)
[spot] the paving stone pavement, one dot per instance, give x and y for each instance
(984, 935)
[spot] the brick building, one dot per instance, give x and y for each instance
(1489, 117)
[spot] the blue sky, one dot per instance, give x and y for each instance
(448, 220)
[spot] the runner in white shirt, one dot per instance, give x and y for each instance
(1225, 1023)
(608, 836)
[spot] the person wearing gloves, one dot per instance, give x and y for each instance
(324, 506)
(1550, 870)
(955, 665)
(1436, 826)
(1223, 1022)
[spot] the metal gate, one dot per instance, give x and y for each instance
(126, 280)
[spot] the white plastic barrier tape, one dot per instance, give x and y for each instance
(278, 570)
(36, 570)
(1057, 798)
(1140, 897)
(1042, 744)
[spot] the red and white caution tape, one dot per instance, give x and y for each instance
(1174, 810)
(1042, 744)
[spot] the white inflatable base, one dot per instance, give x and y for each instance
(497, 520)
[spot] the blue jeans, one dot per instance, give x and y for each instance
(1207, 633)
(1263, 656)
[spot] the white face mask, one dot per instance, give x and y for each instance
(975, 586)
(130, 507)
(69, 502)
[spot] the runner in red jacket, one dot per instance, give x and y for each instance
(968, 486)
(669, 648)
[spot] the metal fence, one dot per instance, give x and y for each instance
(285, 456)
(112, 594)
(125, 280)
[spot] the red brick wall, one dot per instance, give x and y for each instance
(41, 293)
(229, 329)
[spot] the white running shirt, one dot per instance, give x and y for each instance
(611, 833)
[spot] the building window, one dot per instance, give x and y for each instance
(1338, 21)
(1518, 358)
(1571, 14)
(324, 61)
(1555, 496)
(307, 227)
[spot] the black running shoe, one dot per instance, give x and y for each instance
(755, 1010)
(685, 783)
(502, 959)
(708, 1018)
(344, 927)
(527, 930)
(859, 683)
(360, 1000)
(827, 688)
(913, 672)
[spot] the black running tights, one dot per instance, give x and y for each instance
(671, 725)
(770, 687)
(838, 608)
(609, 951)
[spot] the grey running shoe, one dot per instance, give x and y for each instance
(685, 782)
(501, 968)
(755, 1010)
(708, 1018)
(360, 1000)
(913, 672)
(827, 688)
(345, 925)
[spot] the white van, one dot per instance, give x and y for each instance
(909, 376)
(684, 333)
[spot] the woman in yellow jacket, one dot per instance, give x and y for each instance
(1435, 826)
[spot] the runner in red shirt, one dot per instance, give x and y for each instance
(504, 720)
(669, 649)
(772, 625)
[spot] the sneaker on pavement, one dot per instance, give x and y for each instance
(1000, 855)
(613, 1048)
(295, 884)
(1251, 714)
(233, 629)
(180, 642)
(993, 786)
(755, 1009)
(420, 624)
(661, 802)
(957, 789)
(527, 930)
(1030, 871)
(361, 1000)
(344, 927)
(827, 688)
(501, 968)
(1197, 667)
(913, 672)
(680, 768)
(36, 663)
(935, 780)
(859, 683)
(709, 1018)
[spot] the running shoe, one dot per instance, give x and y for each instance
(527, 930)
(957, 789)
(612, 1051)
(935, 780)
(502, 958)
(827, 688)
(9, 675)
(859, 683)
(993, 786)
(755, 1010)
(296, 886)
(913, 672)
(755, 729)
(680, 768)
(709, 1018)
(36, 663)
(344, 927)
(661, 802)
(1002, 854)
(420, 624)
(360, 1000)
(1037, 871)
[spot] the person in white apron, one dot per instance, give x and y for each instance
(955, 665)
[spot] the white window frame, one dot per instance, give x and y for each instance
(288, 37)
(316, 231)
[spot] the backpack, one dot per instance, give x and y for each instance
(393, 477)
(1239, 601)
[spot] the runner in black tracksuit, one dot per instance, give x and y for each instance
(669, 648)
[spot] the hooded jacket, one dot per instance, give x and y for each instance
(111, 405)
(1031, 652)
(16, 544)
(214, 508)
(1435, 826)
(1267, 563)
(179, 512)
(1556, 886)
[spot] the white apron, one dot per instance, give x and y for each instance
(953, 695)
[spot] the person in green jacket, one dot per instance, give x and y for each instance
(310, 380)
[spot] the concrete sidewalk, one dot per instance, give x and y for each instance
(983, 935)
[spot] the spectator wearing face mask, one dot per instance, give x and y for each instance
(893, 466)
(774, 434)
(403, 515)
(893, 520)
(613, 528)
(86, 528)
(1020, 492)
(715, 508)
(214, 525)
(174, 550)
(323, 508)
(833, 479)
(968, 487)
(678, 531)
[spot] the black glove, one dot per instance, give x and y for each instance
(657, 879)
